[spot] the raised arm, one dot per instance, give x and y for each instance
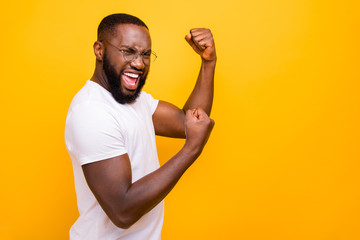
(169, 119)
(201, 40)
(125, 202)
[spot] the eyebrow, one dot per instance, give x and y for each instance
(126, 46)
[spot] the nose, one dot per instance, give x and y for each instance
(138, 62)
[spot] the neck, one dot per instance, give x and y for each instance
(100, 77)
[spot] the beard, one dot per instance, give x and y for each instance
(115, 86)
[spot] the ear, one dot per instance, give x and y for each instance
(98, 50)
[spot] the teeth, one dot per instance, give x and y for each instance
(132, 75)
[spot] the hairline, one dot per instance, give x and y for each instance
(113, 31)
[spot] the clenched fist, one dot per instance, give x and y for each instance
(198, 127)
(202, 41)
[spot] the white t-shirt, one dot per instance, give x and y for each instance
(97, 128)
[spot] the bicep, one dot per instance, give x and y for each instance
(109, 180)
(169, 120)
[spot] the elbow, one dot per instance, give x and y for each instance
(123, 221)
(122, 217)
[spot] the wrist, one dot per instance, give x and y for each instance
(210, 63)
(192, 150)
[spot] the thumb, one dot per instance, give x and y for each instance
(191, 43)
(188, 39)
(196, 113)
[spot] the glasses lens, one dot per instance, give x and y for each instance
(148, 58)
(129, 56)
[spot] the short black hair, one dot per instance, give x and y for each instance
(108, 24)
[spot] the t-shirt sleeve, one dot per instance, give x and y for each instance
(152, 103)
(92, 133)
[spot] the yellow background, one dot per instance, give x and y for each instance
(283, 159)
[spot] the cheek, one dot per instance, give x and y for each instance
(115, 61)
(118, 65)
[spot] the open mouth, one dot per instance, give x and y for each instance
(130, 80)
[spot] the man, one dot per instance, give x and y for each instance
(110, 133)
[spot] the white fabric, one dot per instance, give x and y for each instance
(98, 128)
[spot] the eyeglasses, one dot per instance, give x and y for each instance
(131, 55)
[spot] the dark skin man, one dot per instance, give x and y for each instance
(123, 201)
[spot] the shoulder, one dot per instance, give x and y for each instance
(91, 110)
(91, 92)
(93, 130)
(146, 100)
(92, 101)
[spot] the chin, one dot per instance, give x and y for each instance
(130, 92)
(123, 95)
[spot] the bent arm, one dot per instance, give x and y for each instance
(202, 42)
(169, 119)
(125, 202)
(203, 92)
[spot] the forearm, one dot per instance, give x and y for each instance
(203, 92)
(148, 191)
(125, 202)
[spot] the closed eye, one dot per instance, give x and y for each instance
(128, 51)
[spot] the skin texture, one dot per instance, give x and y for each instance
(123, 201)
(110, 64)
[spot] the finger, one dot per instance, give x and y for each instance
(192, 44)
(189, 40)
(205, 44)
(192, 114)
(200, 110)
(196, 41)
(198, 31)
(201, 114)
(196, 36)
(203, 41)
(196, 113)
(200, 36)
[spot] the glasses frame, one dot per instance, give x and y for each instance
(136, 55)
